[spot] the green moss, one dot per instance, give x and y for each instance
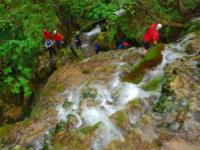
(90, 129)
(152, 58)
(134, 105)
(45, 93)
(164, 105)
(59, 87)
(121, 118)
(26, 122)
(132, 141)
(154, 84)
(5, 130)
(88, 92)
(60, 127)
(67, 104)
(58, 146)
(79, 139)
(20, 148)
(85, 71)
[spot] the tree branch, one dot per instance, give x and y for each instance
(154, 17)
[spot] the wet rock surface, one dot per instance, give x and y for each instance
(85, 105)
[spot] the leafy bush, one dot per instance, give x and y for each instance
(21, 26)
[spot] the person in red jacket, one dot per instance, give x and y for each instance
(58, 39)
(151, 36)
(46, 34)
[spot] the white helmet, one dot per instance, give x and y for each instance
(159, 26)
(54, 31)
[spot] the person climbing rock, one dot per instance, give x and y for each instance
(151, 36)
(78, 41)
(46, 34)
(58, 39)
(97, 48)
(49, 47)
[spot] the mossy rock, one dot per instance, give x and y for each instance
(134, 105)
(60, 127)
(132, 141)
(87, 102)
(67, 104)
(153, 84)
(151, 59)
(88, 92)
(58, 146)
(79, 139)
(5, 130)
(120, 118)
(85, 70)
(164, 105)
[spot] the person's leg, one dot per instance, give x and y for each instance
(58, 44)
(77, 46)
(97, 51)
(53, 50)
(50, 52)
(146, 47)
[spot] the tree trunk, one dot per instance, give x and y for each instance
(64, 25)
(181, 7)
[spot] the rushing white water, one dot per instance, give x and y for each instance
(114, 96)
(88, 45)
(168, 57)
(93, 33)
(120, 12)
(108, 99)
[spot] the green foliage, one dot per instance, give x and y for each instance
(16, 60)
(89, 9)
(192, 27)
(135, 20)
(21, 25)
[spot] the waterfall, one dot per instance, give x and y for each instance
(87, 42)
(107, 102)
(95, 102)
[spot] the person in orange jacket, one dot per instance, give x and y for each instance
(58, 38)
(151, 36)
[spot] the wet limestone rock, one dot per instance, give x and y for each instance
(180, 99)
(9, 112)
(151, 59)
(79, 139)
(194, 45)
(44, 66)
(44, 115)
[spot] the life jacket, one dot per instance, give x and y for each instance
(46, 35)
(151, 34)
(58, 37)
(125, 44)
